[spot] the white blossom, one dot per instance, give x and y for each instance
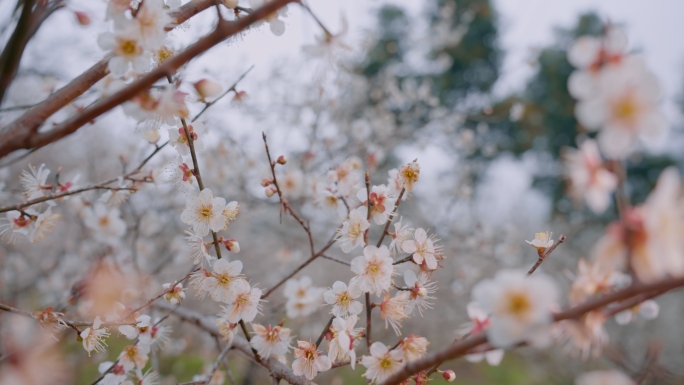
(270, 340)
(350, 236)
(519, 307)
(204, 212)
(373, 270)
(308, 361)
(382, 362)
(343, 299)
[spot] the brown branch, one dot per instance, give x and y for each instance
(151, 300)
(275, 367)
(283, 201)
(390, 219)
(99, 186)
(462, 347)
(408, 258)
(300, 267)
(217, 363)
(287, 208)
(325, 331)
(232, 88)
(368, 321)
(336, 260)
(22, 133)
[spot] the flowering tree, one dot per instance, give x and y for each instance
(102, 286)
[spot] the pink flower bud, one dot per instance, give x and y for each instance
(270, 191)
(82, 18)
(281, 160)
(207, 89)
(449, 375)
(266, 182)
(232, 245)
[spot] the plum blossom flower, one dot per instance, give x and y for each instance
(324, 197)
(393, 183)
(519, 307)
(604, 377)
(408, 175)
(270, 340)
(106, 224)
(350, 236)
(226, 329)
(198, 248)
(150, 21)
(342, 339)
(127, 47)
(542, 241)
(480, 322)
(584, 337)
(419, 291)
(382, 203)
(657, 249)
(16, 224)
(182, 176)
(589, 179)
(179, 140)
(594, 55)
(34, 182)
(134, 356)
(204, 212)
(175, 295)
(373, 270)
(591, 279)
(347, 176)
(393, 310)
(624, 109)
(309, 361)
(44, 224)
(413, 347)
(648, 310)
(382, 362)
(93, 337)
(292, 184)
(343, 299)
(302, 297)
(226, 281)
(245, 304)
(50, 320)
(402, 233)
(422, 248)
(230, 212)
(141, 330)
(115, 374)
(329, 47)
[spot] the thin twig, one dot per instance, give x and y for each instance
(542, 257)
(368, 321)
(232, 88)
(99, 186)
(390, 218)
(217, 363)
(325, 331)
(151, 300)
(336, 260)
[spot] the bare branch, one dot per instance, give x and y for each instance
(240, 344)
(463, 346)
(22, 134)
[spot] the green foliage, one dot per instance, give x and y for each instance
(476, 59)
